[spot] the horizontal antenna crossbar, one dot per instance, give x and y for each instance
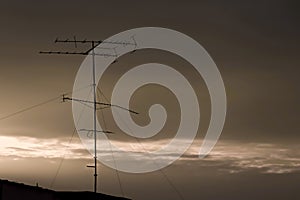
(63, 52)
(88, 130)
(94, 41)
(76, 53)
(98, 103)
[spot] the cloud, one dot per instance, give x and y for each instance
(29, 147)
(236, 157)
(226, 157)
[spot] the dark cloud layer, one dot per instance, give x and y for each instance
(254, 44)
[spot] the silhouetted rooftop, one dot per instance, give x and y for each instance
(12, 190)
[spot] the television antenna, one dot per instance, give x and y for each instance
(91, 51)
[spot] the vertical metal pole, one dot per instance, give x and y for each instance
(95, 119)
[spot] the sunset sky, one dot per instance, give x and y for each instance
(255, 45)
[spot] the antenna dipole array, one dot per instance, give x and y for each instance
(90, 51)
(94, 44)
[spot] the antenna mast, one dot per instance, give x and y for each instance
(95, 119)
(94, 44)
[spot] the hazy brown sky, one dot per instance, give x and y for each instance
(255, 45)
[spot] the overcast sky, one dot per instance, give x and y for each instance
(255, 45)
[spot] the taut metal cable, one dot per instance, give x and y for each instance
(146, 151)
(37, 105)
(68, 146)
(112, 153)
